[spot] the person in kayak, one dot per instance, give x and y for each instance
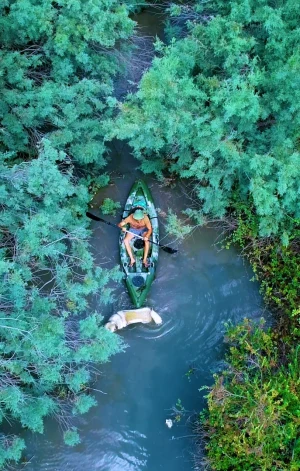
(140, 225)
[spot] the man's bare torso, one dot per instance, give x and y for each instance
(138, 224)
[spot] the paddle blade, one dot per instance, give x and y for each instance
(92, 216)
(168, 249)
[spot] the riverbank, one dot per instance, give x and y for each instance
(252, 419)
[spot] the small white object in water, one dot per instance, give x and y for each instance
(169, 423)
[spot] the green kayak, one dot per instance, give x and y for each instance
(139, 278)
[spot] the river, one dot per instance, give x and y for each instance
(196, 291)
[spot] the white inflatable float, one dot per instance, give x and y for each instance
(123, 318)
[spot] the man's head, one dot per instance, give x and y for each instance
(138, 214)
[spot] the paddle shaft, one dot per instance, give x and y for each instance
(96, 218)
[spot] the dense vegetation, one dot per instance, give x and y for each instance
(58, 62)
(253, 420)
(221, 107)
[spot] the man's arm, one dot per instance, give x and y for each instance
(123, 223)
(149, 227)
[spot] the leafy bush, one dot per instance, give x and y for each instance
(110, 206)
(275, 264)
(58, 63)
(71, 437)
(57, 78)
(47, 274)
(177, 227)
(11, 448)
(253, 420)
(221, 107)
(254, 404)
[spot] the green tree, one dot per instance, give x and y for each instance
(222, 107)
(48, 337)
(58, 62)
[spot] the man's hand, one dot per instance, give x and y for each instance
(145, 238)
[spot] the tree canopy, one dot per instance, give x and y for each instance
(58, 63)
(48, 336)
(221, 107)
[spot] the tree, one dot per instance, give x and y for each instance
(48, 337)
(57, 73)
(221, 106)
(59, 60)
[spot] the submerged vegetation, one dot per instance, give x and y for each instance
(219, 107)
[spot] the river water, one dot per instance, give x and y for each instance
(196, 291)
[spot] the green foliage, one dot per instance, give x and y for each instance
(221, 106)
(137, 5)
(279, 270)
(58, 62)
(275, 262)
(110, 206)
(71, 437)
(11, 449)
(178, 411)
(177, 227)
(47, 273)
(190, 372)
(253, 420)
(94, 183)
(83, 404)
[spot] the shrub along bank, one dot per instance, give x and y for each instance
(253, 418)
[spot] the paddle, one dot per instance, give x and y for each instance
(164, 247)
